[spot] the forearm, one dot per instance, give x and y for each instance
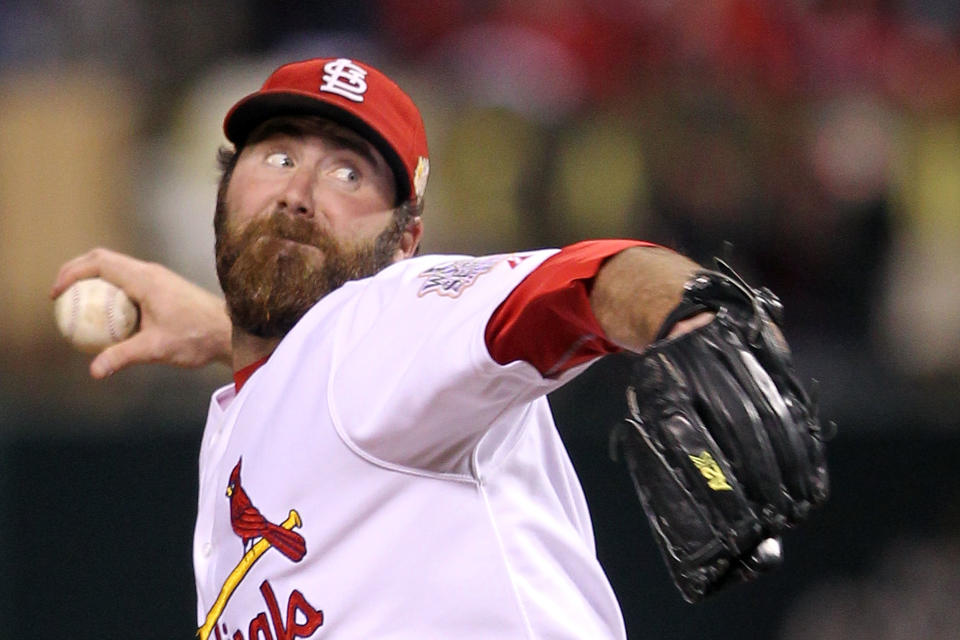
(635, 290)
(213, 330)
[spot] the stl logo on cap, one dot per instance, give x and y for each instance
(345, 78)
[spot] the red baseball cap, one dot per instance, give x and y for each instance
(353, 94)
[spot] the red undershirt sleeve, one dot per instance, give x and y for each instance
(547, 319)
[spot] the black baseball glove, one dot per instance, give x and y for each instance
(722, 441)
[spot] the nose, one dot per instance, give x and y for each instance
(297, 193)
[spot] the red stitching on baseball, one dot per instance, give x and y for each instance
(111, 324)
(74, 310)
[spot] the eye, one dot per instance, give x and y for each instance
(279, 159)
(346, 174)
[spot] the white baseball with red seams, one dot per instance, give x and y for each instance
(93, 314)
(428, 482)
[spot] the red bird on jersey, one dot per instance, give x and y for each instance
(249, 523)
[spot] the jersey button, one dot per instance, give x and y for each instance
(207, 550)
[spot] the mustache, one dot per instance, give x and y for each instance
(279, 224)
(287, 226)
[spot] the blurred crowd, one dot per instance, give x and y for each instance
(909, 593)
(816, 145)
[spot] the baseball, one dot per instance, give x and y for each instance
(93, 314)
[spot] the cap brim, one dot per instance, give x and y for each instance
(253, 110)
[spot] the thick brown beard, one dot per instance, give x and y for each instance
(271, 276)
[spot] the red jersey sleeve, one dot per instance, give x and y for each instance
(547, 319)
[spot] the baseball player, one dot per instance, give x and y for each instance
(384, 464)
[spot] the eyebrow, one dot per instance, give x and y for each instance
(339, 140)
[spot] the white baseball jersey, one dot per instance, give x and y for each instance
(382, 476)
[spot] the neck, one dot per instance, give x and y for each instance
(248, 348)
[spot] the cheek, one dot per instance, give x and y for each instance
(356, 216)
(361, 228)
(246, 196)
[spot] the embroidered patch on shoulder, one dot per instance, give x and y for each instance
(450, 279)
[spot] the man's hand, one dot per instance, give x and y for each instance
(687, 325)
(722, 441)
(181, 324)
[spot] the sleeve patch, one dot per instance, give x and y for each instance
(452, 278)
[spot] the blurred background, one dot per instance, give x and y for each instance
(815, 143)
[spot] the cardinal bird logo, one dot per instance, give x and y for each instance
(260, 535)
(249, 523)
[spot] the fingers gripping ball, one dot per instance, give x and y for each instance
(93, 314)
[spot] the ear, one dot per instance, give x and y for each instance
(410, 239)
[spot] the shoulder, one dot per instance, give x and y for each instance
(450, 275)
